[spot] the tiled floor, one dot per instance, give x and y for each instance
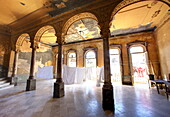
(83, 100)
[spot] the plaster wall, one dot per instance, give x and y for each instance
(4, 54)
(162, 35)
(43, 59)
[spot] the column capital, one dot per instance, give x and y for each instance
(34, 45)
(104, 19)
(60, 38)
(54, 53)
(104, 29)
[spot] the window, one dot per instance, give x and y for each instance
(136, 49)
(71, 59)
(90, 59)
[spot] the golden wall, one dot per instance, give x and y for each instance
(122, 42)
(4, 54)
(162, 35)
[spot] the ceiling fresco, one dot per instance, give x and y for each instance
(62, 6)
(138, 17)
(83, 29)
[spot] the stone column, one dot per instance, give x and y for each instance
(64, 59)
(55, 65)
(31, 82)
(14, 72)
(108, 101)
(59, 84)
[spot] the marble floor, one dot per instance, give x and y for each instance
(83, 100)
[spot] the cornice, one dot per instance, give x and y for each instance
(5, 30)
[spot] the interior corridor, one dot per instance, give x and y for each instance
(82, 100)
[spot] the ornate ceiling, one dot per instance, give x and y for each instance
(83, 29)
(26, 10)
(136, 17)
(49, 37)
(139, 16)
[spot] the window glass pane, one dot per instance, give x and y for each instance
(136, 49)
(114, 51)
(90, 54)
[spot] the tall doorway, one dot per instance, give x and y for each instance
(139, 67)
(115, 65)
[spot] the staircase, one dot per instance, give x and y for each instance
(5, 83)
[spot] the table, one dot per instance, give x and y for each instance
(167, 88)
(157, 82)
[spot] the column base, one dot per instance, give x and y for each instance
(31, 84)
(58, 90)
(127, 80)
(108, 101)
(14, 80)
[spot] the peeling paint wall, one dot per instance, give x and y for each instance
(163, 40)
(43, 58)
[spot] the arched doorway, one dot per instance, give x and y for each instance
(24, 57)
(139, 66)
(71, 59)
(45, 65)
(115, 64)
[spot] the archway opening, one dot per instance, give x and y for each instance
(71, 61)
(139, 66)
(115, 64)
(136, 22)
(24, 58)
(90, 59)
(45, 60)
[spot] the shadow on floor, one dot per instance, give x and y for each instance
(16, 93)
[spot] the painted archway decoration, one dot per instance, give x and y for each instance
(76, 18)
(21, 39)
(41, 31)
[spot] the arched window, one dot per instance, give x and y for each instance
(71, 61)
(90, 58)
(136, 49)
